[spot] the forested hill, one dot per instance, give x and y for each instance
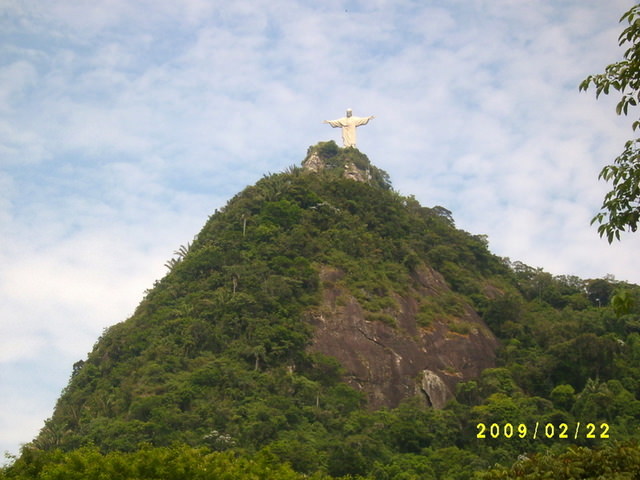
(323, 324)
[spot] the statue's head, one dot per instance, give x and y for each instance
(349, 112)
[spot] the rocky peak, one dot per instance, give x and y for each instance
(327, 157)
(313, 163)
(301, 283)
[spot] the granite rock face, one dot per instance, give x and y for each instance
(314, 163)
(391, 362)
(354, 173)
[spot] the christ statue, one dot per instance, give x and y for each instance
(349, 124)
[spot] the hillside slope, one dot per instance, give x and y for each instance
(301, 269)
(324, 321)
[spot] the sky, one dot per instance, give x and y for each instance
(125, 124)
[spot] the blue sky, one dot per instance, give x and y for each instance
(125, 124)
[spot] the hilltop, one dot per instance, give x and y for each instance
(319, 277)
(326, 321)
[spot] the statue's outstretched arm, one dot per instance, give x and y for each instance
(334, 123)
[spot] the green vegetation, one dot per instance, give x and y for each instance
(614, 462)
(211, 377)
(621, 207)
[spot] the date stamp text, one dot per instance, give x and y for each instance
(542, 430)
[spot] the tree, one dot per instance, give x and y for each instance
(622, 303)
(616, 461)
(621, 206)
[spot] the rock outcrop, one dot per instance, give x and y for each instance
(315, 163)
(391, 362)
(354, 173)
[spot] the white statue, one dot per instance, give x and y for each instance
(349, 124)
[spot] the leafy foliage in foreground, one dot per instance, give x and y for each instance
(619, 461)
(615, 462)
(212, 374)
(179, 462)
(621, 207)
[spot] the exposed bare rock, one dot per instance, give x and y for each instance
(392, 362)
(313, 163)
(354, 173)
(435, 389)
